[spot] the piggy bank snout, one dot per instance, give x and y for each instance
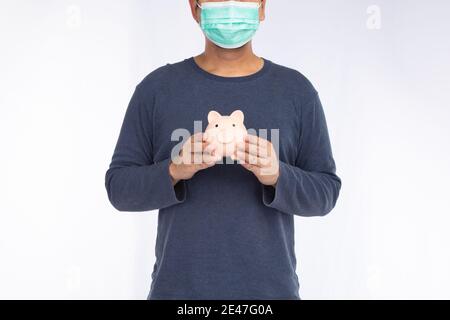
(225, 136)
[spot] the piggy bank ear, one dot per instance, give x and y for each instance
(238, 115)
(213, 116)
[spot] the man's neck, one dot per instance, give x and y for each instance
(229, 62)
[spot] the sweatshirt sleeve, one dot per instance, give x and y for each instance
(134, 181)
(310, 187)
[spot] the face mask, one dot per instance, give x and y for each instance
(229, 24)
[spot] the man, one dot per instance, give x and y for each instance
(225, 229)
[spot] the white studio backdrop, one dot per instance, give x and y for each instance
(67, 72)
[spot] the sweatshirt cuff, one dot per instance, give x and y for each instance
(276, 197)
(171, 194)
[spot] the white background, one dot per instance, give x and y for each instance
(67, 72)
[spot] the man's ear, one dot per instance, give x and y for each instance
(262, 11)
(194, 10)
(213, 116)
(238, 115)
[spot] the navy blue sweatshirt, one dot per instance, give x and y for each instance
(222, 234)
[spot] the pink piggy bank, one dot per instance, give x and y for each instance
(225, 132)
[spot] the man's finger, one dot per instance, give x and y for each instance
(252, 159)
(251, 168)
(200, 157)
(256, 150)
(209, 148)
(197, 137)
(199, 147)
(257, 141)
(252, 139)
(210, 159)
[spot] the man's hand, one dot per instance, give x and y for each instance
(258, 156)
(196, 155)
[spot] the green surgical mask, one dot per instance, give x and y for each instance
(229, 24)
